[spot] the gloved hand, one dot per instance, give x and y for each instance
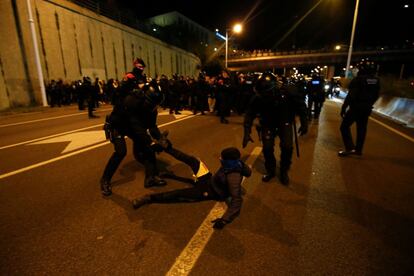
(219, 223)
(156, 147)
(164, 142)
(155, 133)
(246, 139)
(303, 129)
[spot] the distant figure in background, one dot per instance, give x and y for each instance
(88, 91)
(223, 95)
(316, 96)
(358, 104)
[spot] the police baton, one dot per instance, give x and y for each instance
(296, 138)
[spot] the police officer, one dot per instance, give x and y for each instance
(141, 107)
(118, 125)
(224, 184)
(276, 105)
(316, 96)
(363, 93)
(223, 97)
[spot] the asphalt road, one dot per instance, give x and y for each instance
(350, 216)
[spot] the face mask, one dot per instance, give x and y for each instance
(230, 164)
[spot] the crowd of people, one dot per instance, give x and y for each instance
(220, 94)
(83, 92)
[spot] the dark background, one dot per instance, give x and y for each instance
(380, 23)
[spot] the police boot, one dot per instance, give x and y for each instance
(106, 188)
(267, 177)
(224, 121)
(343, 153)
(284, 177)
(154, 181)
(138, 202)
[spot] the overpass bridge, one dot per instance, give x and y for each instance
(262, 60)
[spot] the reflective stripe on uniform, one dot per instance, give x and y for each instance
(202, 170)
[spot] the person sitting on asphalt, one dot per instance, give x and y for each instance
(224, 185)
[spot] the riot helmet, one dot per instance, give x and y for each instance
(266, 83)
(152, 92)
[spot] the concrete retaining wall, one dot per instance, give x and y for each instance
(74, 42)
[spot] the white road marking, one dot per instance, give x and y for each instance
(177, 116)
(74, 153)
(76, 140)
(51, 160)
(393, 129)
(51, 118)
(48, 137)
(189, 256)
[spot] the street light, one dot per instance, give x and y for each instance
(348, 62)
(236, 29)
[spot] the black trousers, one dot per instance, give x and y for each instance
(316, 104)
(285, 134)
(201, 190)
(120, 151)
(361, 120)
(142, 153)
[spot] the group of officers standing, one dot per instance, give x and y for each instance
(274, 101)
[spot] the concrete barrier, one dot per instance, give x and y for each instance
(398, 109)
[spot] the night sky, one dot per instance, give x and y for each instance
(380, 22)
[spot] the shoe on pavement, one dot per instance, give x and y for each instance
(155, 181)
(284, 177)
(343, 153)
(267, 177)
(106, 188)
(138, 202)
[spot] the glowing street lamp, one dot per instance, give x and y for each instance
(236, 29)
(348, 62)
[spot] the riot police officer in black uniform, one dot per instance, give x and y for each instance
(134, 92)
(363, 93)
(316, 96)
(276, 105)
(141, 107)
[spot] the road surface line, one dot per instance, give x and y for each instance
(393, 130)
(64, 133)
(74, 153)
(50, 136)
(189, 256)
(51, 118)
(51, 160)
